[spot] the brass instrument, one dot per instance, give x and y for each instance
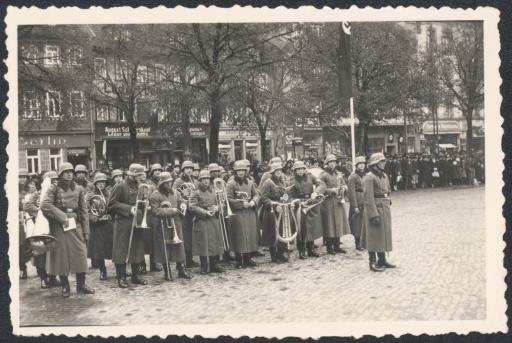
(311, 203)
(186, 190)
(342, 189)
(283, 219)
(175, 239)
(98, 206)
(219, 186)
(242, 195)
(141, 200)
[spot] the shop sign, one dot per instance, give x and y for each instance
(198, 132)
(124, 131)
(449, 126)
(54, 141)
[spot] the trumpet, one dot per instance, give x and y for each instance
(171, 225)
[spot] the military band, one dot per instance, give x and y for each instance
(185, 212)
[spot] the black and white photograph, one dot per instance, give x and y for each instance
(243, 172)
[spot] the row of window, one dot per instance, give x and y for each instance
(52, 55)
(51, 104)
(34, 160)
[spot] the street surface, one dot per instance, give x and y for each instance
(438, 241)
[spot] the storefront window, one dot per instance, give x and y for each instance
(375, 145)
(55, 158)
(33, 165)
(238, 150)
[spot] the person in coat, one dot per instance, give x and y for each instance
(122, 207)
(31, 207)
(164, 204)
(152, 182)
(306, 186)
(102, 230)
(206, 232)
(187, 169)
(65, 208)
(23, 256)
(334, 216)
(376, 237)
(81, 177)
(355, 196)
(272, 191)
(243, 199)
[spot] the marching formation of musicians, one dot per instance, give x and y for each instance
(184, 215)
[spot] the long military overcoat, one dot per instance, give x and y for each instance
(30, 206)
(355, 196)
(311, 222)
(243, 225)
(376, 238)
(334, 214)
(167, 216)
(151, 219)
(271, 190)
(187, 221)
(70, 255)
(102, 231)
(119, 206)
(206, 233)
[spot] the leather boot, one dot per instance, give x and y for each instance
(52, 281)
(81, 287)
(257, 254)
(337, 248)
(182, 271)
(154, 267)
(65, 285)
(382, 262)
(273, 254)
(204, 265)
(239, 261)
(142, 268)
(280, 255)
(121, 282)
(121, 275)
(190, 262)
(227, 257)
(358, 244)
(330, 246)
(311, 251)
(302, 254)
(166, 268)
(44, 278)
(248, 260)
(373, 265)
(103, 273)
(136, 279)
(214, 265)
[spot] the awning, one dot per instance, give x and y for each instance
(447, 146)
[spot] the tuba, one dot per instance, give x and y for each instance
(97, 205)
(170, 225)
(186, 190)
(39, 240)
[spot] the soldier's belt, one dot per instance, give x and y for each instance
(381, 196)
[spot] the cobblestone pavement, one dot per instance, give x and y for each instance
(438, 246)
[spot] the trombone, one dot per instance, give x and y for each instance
(141, 200)
(219, 186)
(170, 224)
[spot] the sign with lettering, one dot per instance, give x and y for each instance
(123, 131)
(55, 141)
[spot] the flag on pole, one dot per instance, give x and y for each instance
(345, 64)
(104, 149)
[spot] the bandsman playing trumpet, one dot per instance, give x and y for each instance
(122, 205)
(65, 208)
(186, 185)
(334, 217)
(206, 232)
(100, 243)
(168, 208)
(355, 196)
(243, 199)
(308, 188)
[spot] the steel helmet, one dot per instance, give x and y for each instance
(239, 165)
(65, 167)
(81, 168)
(204, 174)
(360, 159)
(187, 164)
(156, 166)
(213, 167)
(275, 159)
(117, 172)
(330, 158)
(164, 177)
(51, 175)
(135, 169)
(376, 158)
(99, 177)
(299, 165)
(275, 166)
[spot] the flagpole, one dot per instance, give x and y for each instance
(352, 133)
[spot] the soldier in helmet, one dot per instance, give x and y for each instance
(122, 207)
(102, 230)
(268, 174)
(206, 232)
(167, 207)
(355, 196)
(22, 179)
(243, 199)
(185, 185)
(65, 207)
(81, 174)
(376, 234)
(306, 186)
(195, 172)
(334, 218)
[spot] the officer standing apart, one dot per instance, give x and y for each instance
(66, 210)
(355, 196)
(376, 237)
(122, 206)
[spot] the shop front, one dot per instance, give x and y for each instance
(41, 152)
(236, 144)
(447, 132)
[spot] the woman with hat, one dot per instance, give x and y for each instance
(102, 230)
(31, 207)
(243, 199)
(376, 234)
(355, 196)
(164, 205)
(65, 207)
(122, 206)
(334, 218)
(272, 190)
(306, 186)
(186, 178)
(206, 232)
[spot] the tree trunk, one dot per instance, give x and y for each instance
(263, 144)
(363, 138)
(469, 132)
(132, 128)
(216, 109)
(405, 133)
(185, 126)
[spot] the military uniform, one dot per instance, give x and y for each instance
(355, 196)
